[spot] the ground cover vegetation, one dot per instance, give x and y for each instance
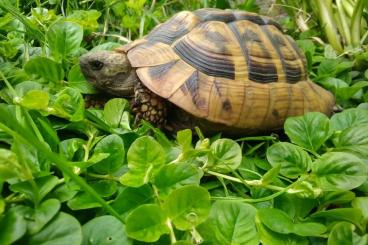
(71, 174)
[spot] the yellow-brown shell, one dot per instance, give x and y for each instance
(229, 67)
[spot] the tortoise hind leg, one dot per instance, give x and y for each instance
(149, 106)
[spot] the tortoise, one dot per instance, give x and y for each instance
(222, 70)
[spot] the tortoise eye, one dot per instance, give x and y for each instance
(96, 65)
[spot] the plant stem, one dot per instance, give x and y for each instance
(356, 22)
(324, 10)
(247, 182)
(61, 164)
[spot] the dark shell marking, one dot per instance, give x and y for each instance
(213, 55)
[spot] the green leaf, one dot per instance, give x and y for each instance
(42, 215)
(188, 206)
(309, 131)
(45, 184)
(352, 215)
(45, 68)
(64, 39)
(354, 140)
(104, 230)
(339, 171)
(69, 147)
(271, 175)
(63, 229)
(13, 225)
(231, 222)
(275, 220)
(144, 156)
(294, 160)
(9, 165)
(349, 118)
(116, 114)
(227, 155)
(269, 237)
(280, 222)
(105, 188)
(86, 18)
(77, 81)
(343, 233)
(130, 198)
(82, 201)
(174, 176)
(361, 203)
(114, 146)
(35, 100)
(336, 197)
(147, 223)
(69, 104)
(184, 138)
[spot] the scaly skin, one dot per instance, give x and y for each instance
(111, 72)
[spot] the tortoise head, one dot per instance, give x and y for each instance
(109, 71)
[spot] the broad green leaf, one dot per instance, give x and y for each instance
(77, 81)
(339, 171)
(64, 39)
(26, 86)
(362, 204)
(349, 118)
(352, 215)
(69, 148)
(294, 160)
(147, 223)
(86, 18)
(144, 156)
(343, 233)
(114, 146)
(45, 184)
(227, 155)
(42, 215)
(104, 230)
(105, 188)
(280, 222)
(333, 84)
(269, 237)
(68, 104)
(130, 198)
(354, 140)
(116, 114)
(63, 193)
(145, 151)
(184, 138)
(63, 229)
(309, 131)
(271, 175)
(275, 220)
(347, 93)
(13, 224)
(136, 177)
(45, 68)
(176, 175)
(35, 100)
(231, 222)
(9, 165)
(188, 206)
(82, 201)
(336, 197)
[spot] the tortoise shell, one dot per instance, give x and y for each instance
(230, 67)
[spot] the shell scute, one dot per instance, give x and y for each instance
(229, 67)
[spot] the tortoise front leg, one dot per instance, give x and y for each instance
(148, 106)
